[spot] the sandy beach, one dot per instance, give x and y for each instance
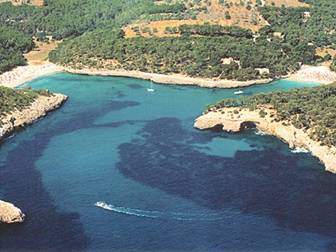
(318, 74)
(22, 74)
(177, 79)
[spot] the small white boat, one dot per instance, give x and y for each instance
(103, 205)
(239, 92)
(300, 150)
(151, 88)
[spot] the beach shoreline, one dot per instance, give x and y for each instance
(319, 74)
(23, 74)
(170, 79)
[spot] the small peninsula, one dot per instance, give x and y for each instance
(22, 107)
(301, 117)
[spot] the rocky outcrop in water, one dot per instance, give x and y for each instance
(10, 213)
(17, 119)
(237, 119)
(39, 108)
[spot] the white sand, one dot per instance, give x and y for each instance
(318, 74)
(22, 74)
(176, 79)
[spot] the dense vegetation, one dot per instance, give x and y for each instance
(211, 30)
(71, 18)
(61, 19)
(12, 44)
(195, 56)
(315, 24)
(310, 109)
(290, 40)
(11, 99)
(92, 36)
(333, 65)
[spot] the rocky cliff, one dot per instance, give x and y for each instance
(39, 108)
(237, 119)
(10, 213)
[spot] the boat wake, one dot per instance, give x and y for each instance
(158, 214)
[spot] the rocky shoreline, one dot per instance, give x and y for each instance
(10, 214)
(18, 119)
(237, 119)
(39, 108)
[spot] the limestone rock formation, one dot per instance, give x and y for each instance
(39, 108)
(10, 213)
(237, 119)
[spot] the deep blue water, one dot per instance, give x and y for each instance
(170, 187)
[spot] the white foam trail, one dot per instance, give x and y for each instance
(300, 150)
(158, 214)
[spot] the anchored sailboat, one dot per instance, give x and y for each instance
(151, 88)
(239, 92)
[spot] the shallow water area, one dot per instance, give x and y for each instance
(164, 185)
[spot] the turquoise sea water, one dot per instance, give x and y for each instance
(166, 186)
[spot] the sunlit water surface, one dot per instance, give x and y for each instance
(162, 184)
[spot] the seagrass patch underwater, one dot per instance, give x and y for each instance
(120, 168)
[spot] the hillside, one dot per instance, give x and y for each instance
(175, 39)
(241, 40)
(238, 13)
(242, 13)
